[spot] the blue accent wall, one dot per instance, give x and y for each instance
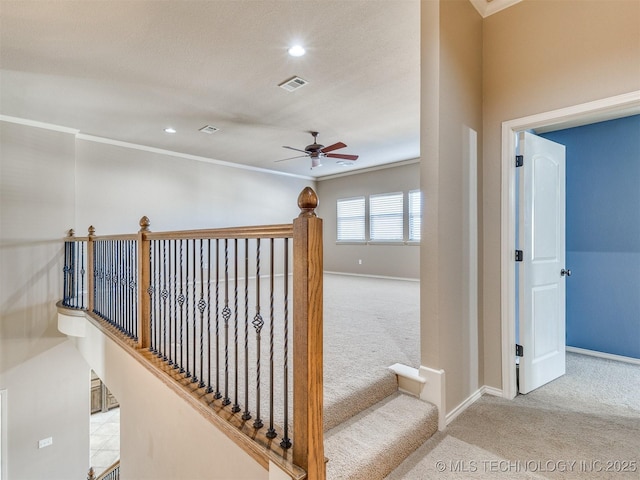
(603, 235)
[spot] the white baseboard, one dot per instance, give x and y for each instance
(452, 415)
(348, 274)
(608, 356)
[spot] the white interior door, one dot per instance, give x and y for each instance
(541, 273)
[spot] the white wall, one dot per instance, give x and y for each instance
(161, 436)
(46, 380)
(116, 186)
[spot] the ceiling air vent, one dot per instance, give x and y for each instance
(209, 129)
(293, 84)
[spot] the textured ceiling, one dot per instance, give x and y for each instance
(124, 70)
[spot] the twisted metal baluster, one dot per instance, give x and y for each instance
(218, 394)
(286, 441)
(257, 324)
(271, 432)
(194, 379)
(65, 275)
(226, 314)
(186, 309)
(201, 306)
(133, 290)
(236, 407)
(247, 414)
(181, 303)
(209, 387)
(174, 309)
(151, 296)
(82, 279)
(165, 296)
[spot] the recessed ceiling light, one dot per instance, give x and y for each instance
(169, 130)
(297, 51)
(342, 163)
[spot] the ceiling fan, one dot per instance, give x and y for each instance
(317, 152)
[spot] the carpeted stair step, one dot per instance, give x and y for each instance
(371, 444)
(346, 400)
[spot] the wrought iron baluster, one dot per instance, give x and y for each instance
(75, 277)
(175, 303)
(226, 314)
(82, 275)
(120, 285)
(236, 407)
(271, 432)
(152, 251)
(286, 441)
(165, 296)
(218, 394)
(247, 414)
(134, 288)
(209, 387)
(258, 322)
(195, 306)
(201, 306)
(65, 274)
(187, 373)
(181, 303)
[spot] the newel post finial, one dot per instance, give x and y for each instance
(71, 232)
(92, 231)
(308, 202)
(144, 224)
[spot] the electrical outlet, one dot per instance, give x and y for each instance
(45, 442)
(359, 261)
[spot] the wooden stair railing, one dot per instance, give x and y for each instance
(128, 284)
(111, 473)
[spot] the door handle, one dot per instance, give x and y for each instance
(564, 272)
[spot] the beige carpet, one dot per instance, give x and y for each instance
(370, 324)
(585, 424)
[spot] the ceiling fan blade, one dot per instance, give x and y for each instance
(290, 158)
(342, 156)
(296, 149)
(333, 147)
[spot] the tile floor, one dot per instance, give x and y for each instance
(105, 439)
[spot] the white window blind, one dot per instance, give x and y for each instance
(386, 216)
(351, 219)
(415, 215)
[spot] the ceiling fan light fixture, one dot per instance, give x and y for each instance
(316, 162)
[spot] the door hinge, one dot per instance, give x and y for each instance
(519, 255)
(519, 350)
(519, 160)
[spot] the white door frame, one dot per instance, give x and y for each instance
(583, 114)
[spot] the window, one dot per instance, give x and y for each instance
(386, 217)
(351, 219)
(415, 215)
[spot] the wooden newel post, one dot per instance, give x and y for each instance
(144, 283)
(91, 278)
(308, 442)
